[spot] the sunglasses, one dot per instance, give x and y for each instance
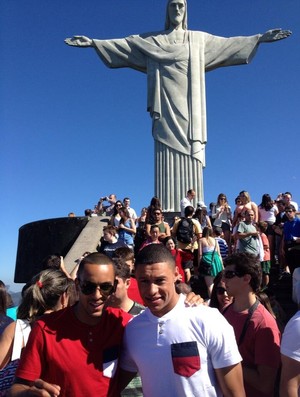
(231, 273)
(288, 211)
(220, 290)
(106, 289)
(157, 213)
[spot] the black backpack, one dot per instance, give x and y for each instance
(185, 230)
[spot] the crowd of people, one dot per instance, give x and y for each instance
(248, 227)
(121, 323)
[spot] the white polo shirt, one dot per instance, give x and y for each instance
(176, 354)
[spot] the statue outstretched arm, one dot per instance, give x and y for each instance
(80, 41)
(274, 35)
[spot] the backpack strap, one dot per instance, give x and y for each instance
(250, 313)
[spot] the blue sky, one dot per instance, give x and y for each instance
(73, 130)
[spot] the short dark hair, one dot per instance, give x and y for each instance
(124, 253)
(263, 226)
(154, 253)
(51, 262)
(168, 238)
(246, 263)
(122, 269)
(217, 230)
(95, 258)
(290, 207)
(188, 211)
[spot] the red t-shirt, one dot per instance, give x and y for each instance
(133, 291)
(181, 256)
(80, 358)
(261, 344)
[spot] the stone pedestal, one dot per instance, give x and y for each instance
(68, 237)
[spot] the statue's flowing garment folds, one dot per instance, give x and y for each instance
(176, 98)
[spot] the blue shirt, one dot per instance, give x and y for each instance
(291, 229)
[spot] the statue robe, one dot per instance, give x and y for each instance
(176, 98)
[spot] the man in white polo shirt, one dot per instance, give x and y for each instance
(177, 350)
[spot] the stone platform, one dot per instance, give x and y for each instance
(68, 237)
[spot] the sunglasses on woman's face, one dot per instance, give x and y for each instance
(88, 288)
(221, 290)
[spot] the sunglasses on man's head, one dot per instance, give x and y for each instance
(231, 274)
(88, 288)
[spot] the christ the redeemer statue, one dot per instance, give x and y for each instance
(175, 61)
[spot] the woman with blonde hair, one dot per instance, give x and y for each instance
(245, 204)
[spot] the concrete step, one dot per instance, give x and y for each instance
(87, 240)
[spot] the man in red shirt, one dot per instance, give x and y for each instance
(255, 329)
(75, 351)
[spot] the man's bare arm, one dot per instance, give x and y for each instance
(240, 235)
(230, 380)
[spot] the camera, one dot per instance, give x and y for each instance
(103, 198)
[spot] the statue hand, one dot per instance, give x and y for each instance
(274, 35)
(79, 41)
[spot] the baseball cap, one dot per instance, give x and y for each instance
(201, 204)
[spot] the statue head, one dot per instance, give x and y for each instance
(175, 3)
